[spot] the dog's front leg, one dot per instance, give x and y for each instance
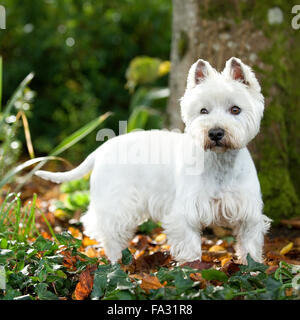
(183, 238)
(250, 238)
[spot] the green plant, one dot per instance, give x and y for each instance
(148, 101)
(16, 108)
(55, 40)
(34, 266)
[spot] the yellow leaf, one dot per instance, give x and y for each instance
(216, 249)
(161, 238)
(75, 232)
(223, 261)
(88, 242)
(287, 248)
(61, 214)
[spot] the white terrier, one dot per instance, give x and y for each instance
(148, 174)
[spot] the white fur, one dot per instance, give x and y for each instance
(225, 192)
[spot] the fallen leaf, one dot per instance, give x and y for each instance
(75, 232)
(198, 277)
(92, 253)
(69, 261)
(230, 268)
(86, 241)
(161, 238)
(224, 261)
(197, 264)
(278, 257)
(271, 269)
(150, 262)
(286, 248)
(85, 285)
(150, 282)
(216, 248)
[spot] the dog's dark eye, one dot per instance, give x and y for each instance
(235, 110)
(203, 111)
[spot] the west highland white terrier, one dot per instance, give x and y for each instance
(187, 181)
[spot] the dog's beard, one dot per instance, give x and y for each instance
(219, 146)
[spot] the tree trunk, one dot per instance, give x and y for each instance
(185, 30)
(262, 36)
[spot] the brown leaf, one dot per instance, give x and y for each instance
(198, 277)
(149, 262)
(271, 269)
(197, 264)
(278, 257)
(140, 242)
(150, 282)
(85, 285)
(230, 268)
(69, 261)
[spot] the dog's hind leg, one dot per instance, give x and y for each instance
(113, 234)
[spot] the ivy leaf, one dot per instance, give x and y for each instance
(43, 293)
(65, 238)
(213, 274)
(119, 295)
(118, 279)
(253, 266)
(126, 257)
(100, 281)
(42, 244)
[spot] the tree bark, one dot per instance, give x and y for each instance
(185, 37)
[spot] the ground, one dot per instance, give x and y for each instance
(65, 264)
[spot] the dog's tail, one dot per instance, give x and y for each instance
(76, 173)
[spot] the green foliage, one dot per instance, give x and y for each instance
(34, 269)
(143, 70)
(79, 51)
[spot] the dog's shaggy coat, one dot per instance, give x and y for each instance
(186, 181)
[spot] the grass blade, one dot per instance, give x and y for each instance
(27, 133)
(67, 143)
(31, 219)
(79, 134)
(16, 96)
(27, 164)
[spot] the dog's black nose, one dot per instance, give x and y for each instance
(216, 134)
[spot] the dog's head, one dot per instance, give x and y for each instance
(222, 111)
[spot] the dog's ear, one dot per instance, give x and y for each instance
(199, 71)
(235, 69)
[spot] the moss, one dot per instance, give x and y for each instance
(183, 44)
